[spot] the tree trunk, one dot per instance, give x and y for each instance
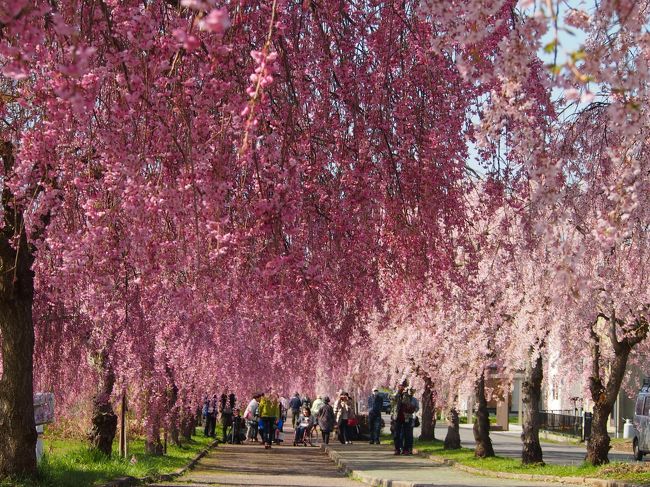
(428, 411)
(187, 425)
(104, 419)
(175, 434)
(603, 394)
(531, 391)
(173, 418)
(452, 440)
(481, 428)
(17, 427)
(598, 444)
(152, 443)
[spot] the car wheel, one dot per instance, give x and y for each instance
(638, 454)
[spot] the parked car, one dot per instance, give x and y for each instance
(641, 440)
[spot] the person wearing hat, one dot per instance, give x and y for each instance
(326, 419)
(375, 403)
(401, 415)
(414, 407)
(343, 412)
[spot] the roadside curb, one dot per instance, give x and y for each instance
(343, 466)
(367, 479)
(131, 481)
(520, 476)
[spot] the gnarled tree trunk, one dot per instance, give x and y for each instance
(603, 394)
(173, 418)
(481, 428)
(531, 391)
(104, 419)
(187, 424)
(152, 443)
(428, 431)
(452, 439)
(17, 427)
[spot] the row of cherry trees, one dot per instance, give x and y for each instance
(195, 193)
(559, 226)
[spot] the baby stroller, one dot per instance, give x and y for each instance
(238, 432)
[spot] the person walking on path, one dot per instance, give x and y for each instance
(251, 415)
(306, 402)
(269, 410)
(204, 414)
(315, 407)
(284, 408)
(401, 414)
(211, 418)
(226, 414)
(410, 424)
(295, 404)
(343, 413)
(326, 420)
(375, 403)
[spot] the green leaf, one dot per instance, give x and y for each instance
(550, 47)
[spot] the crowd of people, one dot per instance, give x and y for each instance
(266, 413)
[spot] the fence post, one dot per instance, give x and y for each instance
(586, 427)
(123, 426)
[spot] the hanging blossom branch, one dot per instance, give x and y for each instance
(261, 78)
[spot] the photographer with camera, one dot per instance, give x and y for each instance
(402, 419)
(408, 437)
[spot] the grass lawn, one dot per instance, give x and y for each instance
(632, 472)
(69, 463)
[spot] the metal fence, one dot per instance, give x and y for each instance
(560, 422)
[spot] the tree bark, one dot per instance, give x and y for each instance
(483, 448)
(175, 435)
(17, 427)
(604, 394)
(104, 419)
(152, 443)
(428, 411)
(187, 424)
(531, 392)
(452, 440)
(173, 418)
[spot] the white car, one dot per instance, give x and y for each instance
(641, 441)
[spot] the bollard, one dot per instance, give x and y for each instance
(39, 443)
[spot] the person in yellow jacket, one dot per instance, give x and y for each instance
(269, 411)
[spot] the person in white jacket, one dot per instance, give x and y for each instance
(343, 412)
(252, 418)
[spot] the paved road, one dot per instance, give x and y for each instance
(508, 444)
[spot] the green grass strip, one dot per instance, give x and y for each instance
(70, 463)
(630, 472)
